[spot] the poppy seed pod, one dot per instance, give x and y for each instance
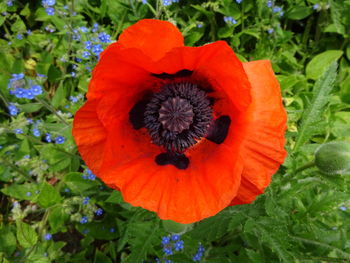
(181, 131)
(333, 158)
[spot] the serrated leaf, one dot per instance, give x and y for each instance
(217, 226)
(313, 113)
(26, 235)
(144, 238)
(272, 234)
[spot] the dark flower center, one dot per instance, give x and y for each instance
(178, 116)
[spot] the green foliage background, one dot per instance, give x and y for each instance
(303, 215)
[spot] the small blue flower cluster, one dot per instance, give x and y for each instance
(93, 46)
(16, 87)
(316, 6)
(59, 140)
(198, 256)
(86, 200)
(48, 5)
(13, 110)
(343, 208)
(169, 2)
(48, 137)
(9, 3)
(275, 9)
(88, 175)
(75, 99)
(18, 131)
(84, 220)
(99, 212)
(230, 20)
(36, 131)
(48, 236)
(172, 242)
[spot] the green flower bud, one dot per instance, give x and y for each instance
(176, 228)
(333, 158)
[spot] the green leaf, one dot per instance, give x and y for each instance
(144, 239)
(26, 235)
(100, 257)
(24, 148)
(317, 66)
(348, 51)
(271, 233)
(299, 12)
(59, 96)
(20, 191)
(5, 173)
(57, 218)
(48, 196)
(312, 115)
(54, 74)
(335, 28)
(217, 226)
(115, 198)
(30, 107)
(18, 26)
(57, 159)
(254, 256)
(7, 241)
(2, 259)
(225, 32)
(193, 37)
(77, 183)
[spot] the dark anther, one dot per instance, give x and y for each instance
(178, 116)
(219, 130)
(136, 114)
(180, 161)
(180, 74)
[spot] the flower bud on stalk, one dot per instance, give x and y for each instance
(333, 158)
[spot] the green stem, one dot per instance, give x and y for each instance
(305, 166)
(52, 109)
(4, 99)
(152, 9)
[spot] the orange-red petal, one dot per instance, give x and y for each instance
(185, 196)
(153, 37)
(263, 146)
(89, 135)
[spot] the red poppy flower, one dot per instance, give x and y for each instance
(182, 131)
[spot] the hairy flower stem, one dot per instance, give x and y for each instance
(305, 166)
